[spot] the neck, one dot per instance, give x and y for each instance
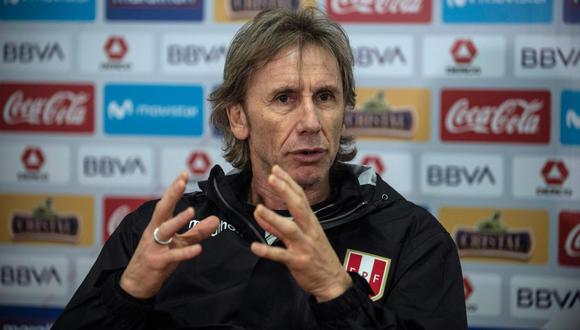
(261, 192)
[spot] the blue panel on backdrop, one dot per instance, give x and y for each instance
(21, 317)
(485, 11)
(82, 10)
(571, 11)
(570, 118)
(153, 110)
(182, 10)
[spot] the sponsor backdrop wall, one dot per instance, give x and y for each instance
(470, 108)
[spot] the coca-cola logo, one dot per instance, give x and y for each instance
(495, 116)
(343, 7)
(512, 116)
(569, 238)
(572, 245)
(36, 107)
(383, 11)
(116, 209)
(61, 108)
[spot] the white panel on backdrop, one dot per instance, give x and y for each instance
(36, 52)
(540, 297)
(194, 54)
(115, 166)
(547, 57)
(35, 163)
(464, 56)
(482, 294)
(394, 167)
(197, 160)
(116, 53)
(380, 56)
(546, 177)
(36, 278)
(461, 175)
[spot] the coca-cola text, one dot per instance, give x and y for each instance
(495, 116)
(380, 11)
(47, 107)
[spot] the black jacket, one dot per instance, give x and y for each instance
(227, 287)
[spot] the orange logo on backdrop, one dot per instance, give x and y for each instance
(47, 219)
(394, 113)
(498, 235)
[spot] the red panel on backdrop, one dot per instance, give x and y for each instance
(115, 210)
(511, 116)
(405, 11)
(43, 107)
(569, 239)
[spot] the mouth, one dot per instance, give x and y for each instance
(308, 155)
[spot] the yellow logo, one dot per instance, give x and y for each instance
(47, 219)
(498, 235)
(230, 11)
(401, 114)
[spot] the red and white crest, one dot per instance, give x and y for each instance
(374, 269)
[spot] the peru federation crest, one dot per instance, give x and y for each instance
(374, 269)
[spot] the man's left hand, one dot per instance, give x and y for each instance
(308, 253)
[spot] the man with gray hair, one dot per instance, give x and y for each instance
(294, 238)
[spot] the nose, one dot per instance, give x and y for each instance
(309, 121)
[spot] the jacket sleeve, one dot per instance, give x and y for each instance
(99, 302)
(426, 292)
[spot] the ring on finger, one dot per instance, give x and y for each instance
(160, 241)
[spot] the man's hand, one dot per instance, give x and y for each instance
(308, 254)
(152, 262)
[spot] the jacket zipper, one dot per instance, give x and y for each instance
(327, 223)
(344, 215)
(246, 220)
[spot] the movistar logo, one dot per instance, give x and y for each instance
(572, 119)
(119, 111)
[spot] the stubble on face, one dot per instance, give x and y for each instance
(294, 108)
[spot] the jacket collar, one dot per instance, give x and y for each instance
(354, 189)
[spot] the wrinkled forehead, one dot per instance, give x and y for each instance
(302, 58)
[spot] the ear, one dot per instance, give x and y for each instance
(238, 121)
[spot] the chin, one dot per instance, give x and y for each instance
(307, 176)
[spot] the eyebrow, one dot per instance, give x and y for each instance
(288, 88)
(329, 87)
(284, 89)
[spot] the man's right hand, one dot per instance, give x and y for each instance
(152, 262)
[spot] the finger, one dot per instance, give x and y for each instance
(181, 254)
(273, 253)
(164, 208)
(284, 176)
(168, 228)
(203, 230)
(297, 203)
(281, 227)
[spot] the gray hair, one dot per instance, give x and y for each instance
(257, 43)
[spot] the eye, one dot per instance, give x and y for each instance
(325, 96)
(283, 98)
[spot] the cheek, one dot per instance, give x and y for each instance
(336, 128)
